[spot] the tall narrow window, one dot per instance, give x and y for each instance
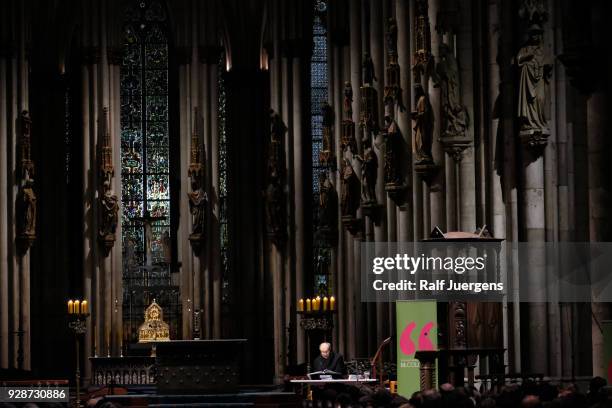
(145, 164)
(318, 86)
(223, 184)
(318, 98)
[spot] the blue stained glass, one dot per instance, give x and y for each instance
(157, 134)
(157, 108)
(157, 82)
(159, 209)
(157, 187)
(157, 160)
(319, 52)
(156, 56)
(145, 156)
(132, 187)
(318, 96)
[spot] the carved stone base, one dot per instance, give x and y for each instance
(426, 170)
(25, 242)
(534, 138)
(196, 240)
(371, 209)
(454, 145)
(396, 192)
(107, 242)
(352, 224)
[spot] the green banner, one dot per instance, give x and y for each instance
(417, 329)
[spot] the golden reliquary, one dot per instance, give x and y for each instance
(154, 328)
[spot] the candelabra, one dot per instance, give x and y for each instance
(78, 312)
(317, 315)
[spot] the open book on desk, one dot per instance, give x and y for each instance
(324, 375)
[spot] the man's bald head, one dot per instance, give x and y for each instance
(325, 349)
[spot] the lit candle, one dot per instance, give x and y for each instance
(77, 306)
(308, 305)
(84, 307)
(325, 302)
(70, 307)
(332, 303)
(318, 303)
(301, 305)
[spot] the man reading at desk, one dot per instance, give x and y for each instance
(328, 360)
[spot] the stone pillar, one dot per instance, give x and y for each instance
(4, 221)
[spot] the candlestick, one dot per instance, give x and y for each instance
(332, 303)
(308, 305)
(301, 305)
(325, 302)
(70, 307)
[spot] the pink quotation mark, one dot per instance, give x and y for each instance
(425, 344)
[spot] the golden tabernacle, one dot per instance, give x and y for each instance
(154, 328)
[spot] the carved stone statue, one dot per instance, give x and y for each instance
(393, 152)
(535, 72)
(369, 169)
(197, 207)
(423, 119)
(273, 194)
(350, 190)
(369, 76)
(326, 156)
(455, 116)
(348, 100)
(109, 208)
(327, 203)
(28, 202)
(391, 37)
(273, 197)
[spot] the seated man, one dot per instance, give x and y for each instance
(328, 360)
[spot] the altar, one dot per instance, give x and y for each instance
(176, 367)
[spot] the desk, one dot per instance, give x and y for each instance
(336, 381)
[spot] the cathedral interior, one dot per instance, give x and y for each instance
(227, 160)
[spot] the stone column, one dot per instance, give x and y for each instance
(4, 221)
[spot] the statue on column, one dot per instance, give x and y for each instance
(328, 204)
(535, 71)
(326, 155)
(109, 209)
(423, 119)
(28, 200)
(273, 194)
(369, 75)
(197, 196)
(350, 190)
(348, 126)
(197, 207)
(369, 171)
(393, 154)
(108, 202)
(455, 117)
(348, 100)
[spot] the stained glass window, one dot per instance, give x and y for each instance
(145, 149)
(318, 96)
(223, 184)
(318, 85)
(145, 169)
